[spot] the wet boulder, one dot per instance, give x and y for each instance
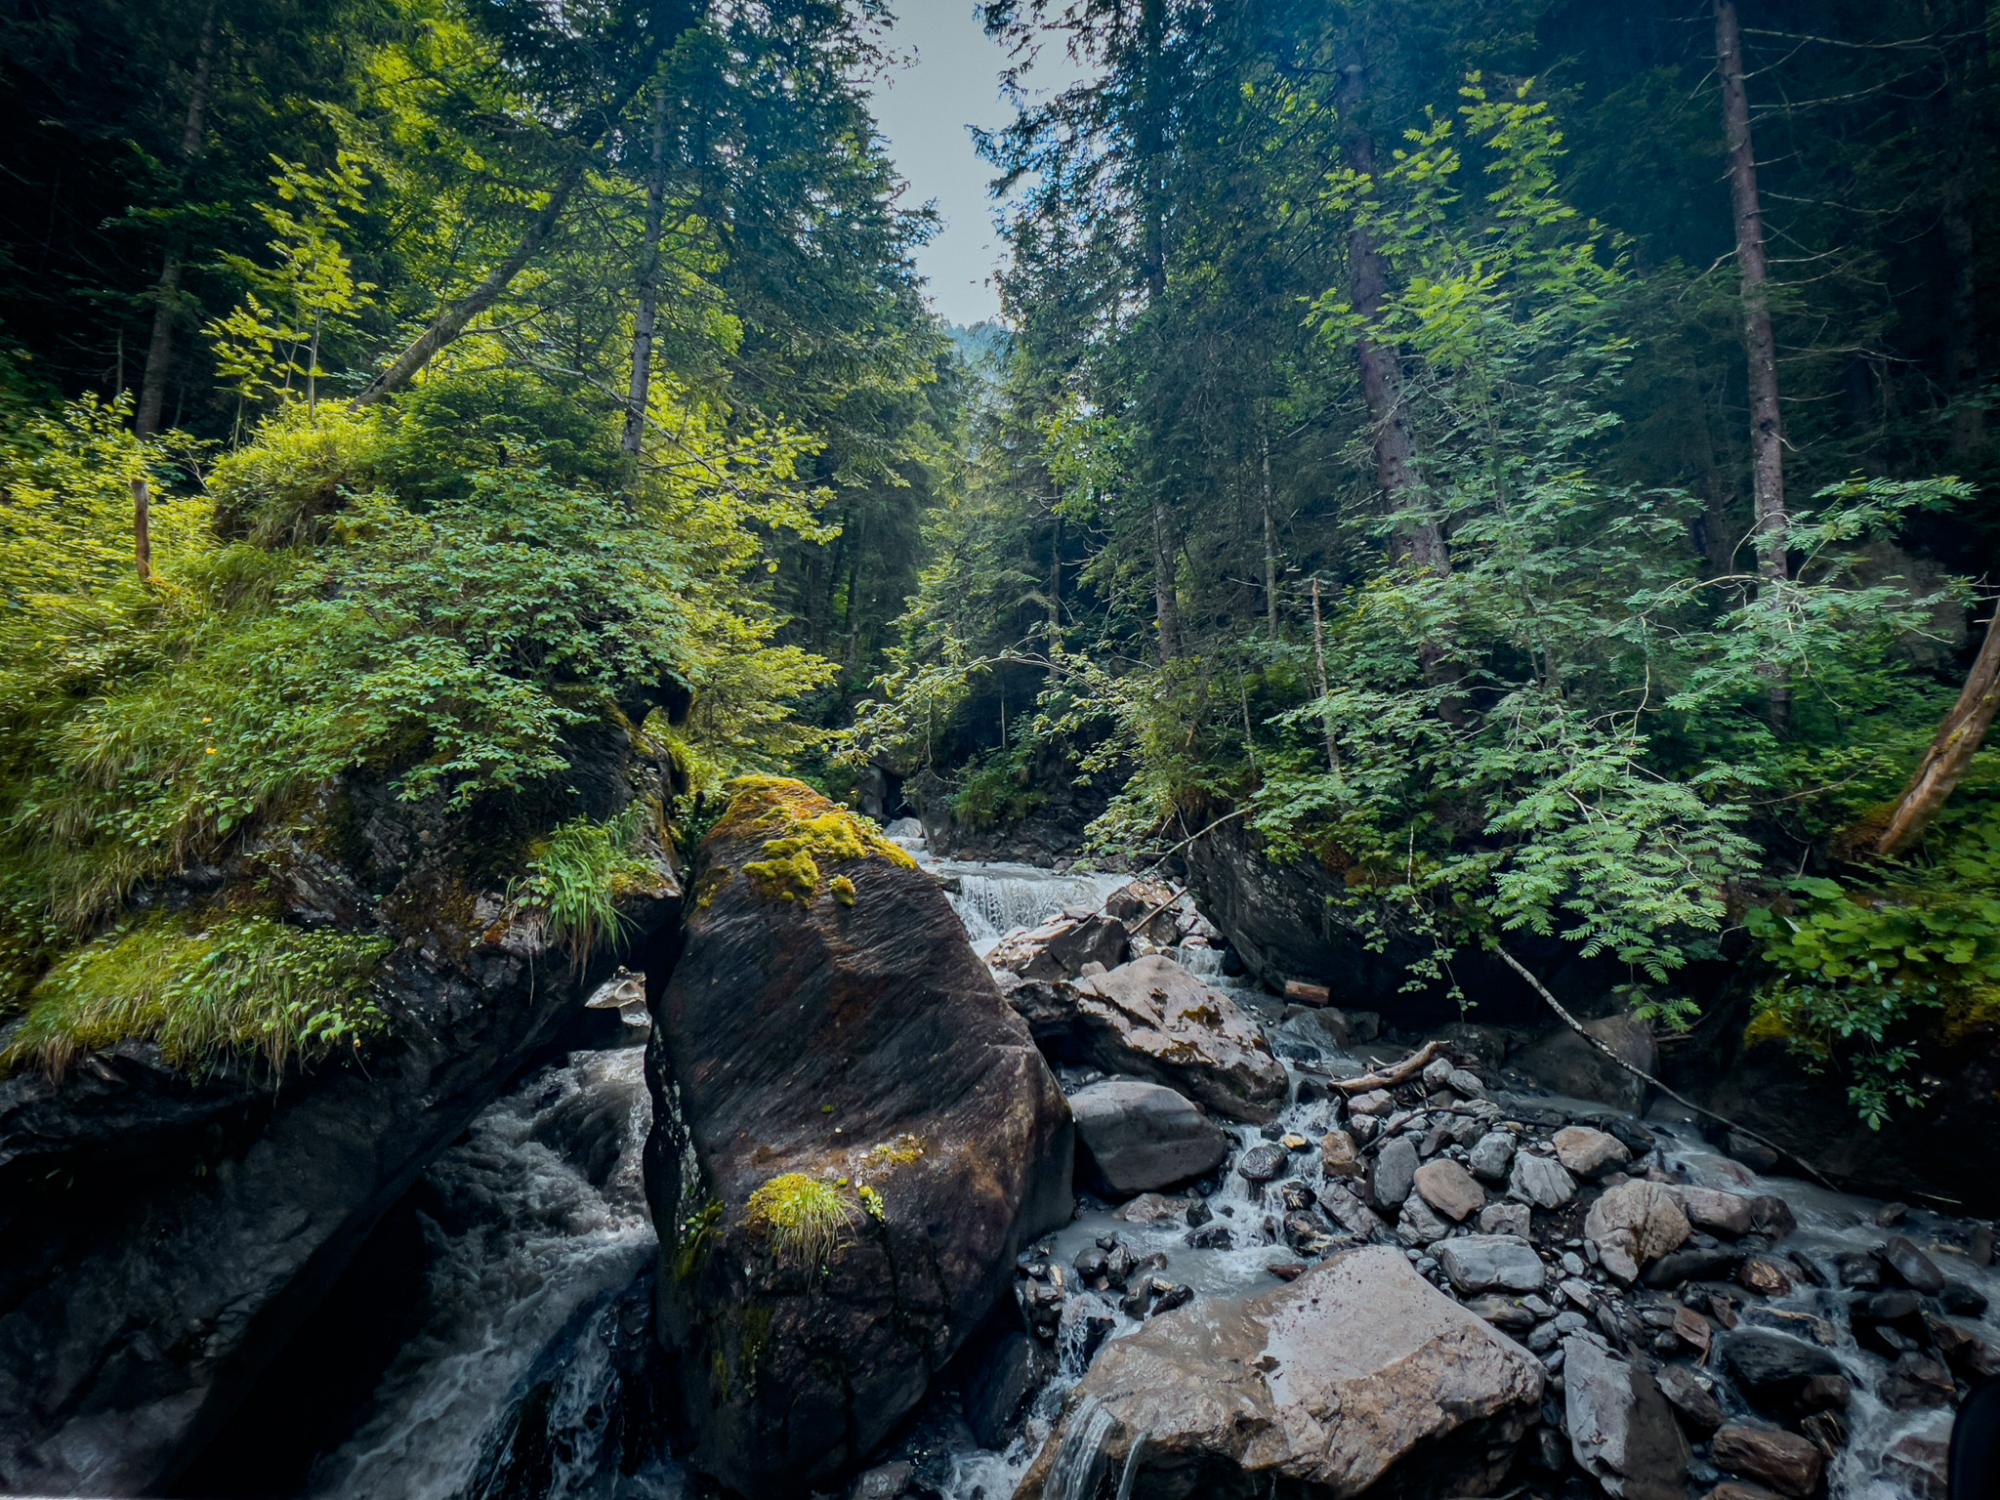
(1622, 1431)
(1138, 1137)
(1633, 1225)
(1564, 1063)
(1782, 1375)
(1153, 1019)
(1061, 948)
(853, 1139)
(1357, 1374)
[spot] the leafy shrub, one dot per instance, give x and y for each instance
(207, 992)
(995, 793)
(1870, 968)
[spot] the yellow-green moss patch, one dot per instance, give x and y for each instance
(806, 1220)
(901, 1152)
(802, 832)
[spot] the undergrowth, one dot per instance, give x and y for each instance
(578, 873)
(207, 991)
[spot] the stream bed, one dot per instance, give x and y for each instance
(527, 1376)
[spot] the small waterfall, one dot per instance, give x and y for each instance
(1200, 960)
(535, 1227)
(1079, 1463)
(994, 900)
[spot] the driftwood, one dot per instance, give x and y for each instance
(1389, 1077)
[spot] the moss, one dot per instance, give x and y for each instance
(206, 991)
(804, 1218)
(901, 1152)
(871, 1202)
(801, 832)
(790, 876)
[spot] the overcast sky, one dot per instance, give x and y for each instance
(924, 109)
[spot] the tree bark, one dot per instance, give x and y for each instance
(1266, 504)
(647, 317)
(1418, 540)
(1950, 754)
(1760, 347)
(166, 290)
(1153, 272)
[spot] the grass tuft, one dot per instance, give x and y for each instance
(206, 994)
(576, 875)
(806, 1220)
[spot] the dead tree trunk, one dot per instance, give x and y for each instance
(1950, 754)
(1267, 504)
(1760, 346)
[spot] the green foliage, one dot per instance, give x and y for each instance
(577, 873)
(209, 991)
(805, 1220)
(997, 792)
(1869, 969)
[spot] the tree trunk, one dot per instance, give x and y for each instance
(166, 290)
(1760, 347)
(647, 317)
(1958, 739)
(1418, 540)
(1152, 165)
(1266, 504)
(1325, 687)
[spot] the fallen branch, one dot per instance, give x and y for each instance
(1602, 1049)
(1146, 921)
(1388, 1078)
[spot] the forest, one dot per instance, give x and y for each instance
(1478, 512)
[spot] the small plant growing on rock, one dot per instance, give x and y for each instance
(806, 1220)
(843, 890)
(577, 874)
(872, 1202)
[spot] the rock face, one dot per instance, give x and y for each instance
(1564, 1063)
(1154, 1019)
(1355, 1374)
(166, 1237)
(1136, 1137)
(853, 1137)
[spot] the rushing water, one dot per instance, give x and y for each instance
(521, 1381)
(538, 1228)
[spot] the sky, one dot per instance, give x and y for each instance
(924, 108)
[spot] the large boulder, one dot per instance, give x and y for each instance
(853, 1138)
(1061, 947)
(1357, 1374)
(1564, 1063)
(1136, 1137)
(166, 1235)
(1633, 1225)
(1154, 1019)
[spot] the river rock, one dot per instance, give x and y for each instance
(1633, 1224)
(1540, 1181)
(1395, 1171)
(1359, 1373)
(1911, 1266)
(1061, 947)
(812, 1043)
(1564, 1063)
(1621, 1430)
(1419, 1224)
(1778, 1374)
(1695, 1403)
(1265, 1162)
(1139, 1137)
(1587, 1152)
(1492, 1262)
(1339, 1156)
(1492, 1154)
(1728, 1214)
(1506, 1218)
(1783, 1460)
(1154, 1019)
(1449, 1188)
(166, 1235)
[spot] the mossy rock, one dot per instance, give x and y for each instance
(801, 834)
